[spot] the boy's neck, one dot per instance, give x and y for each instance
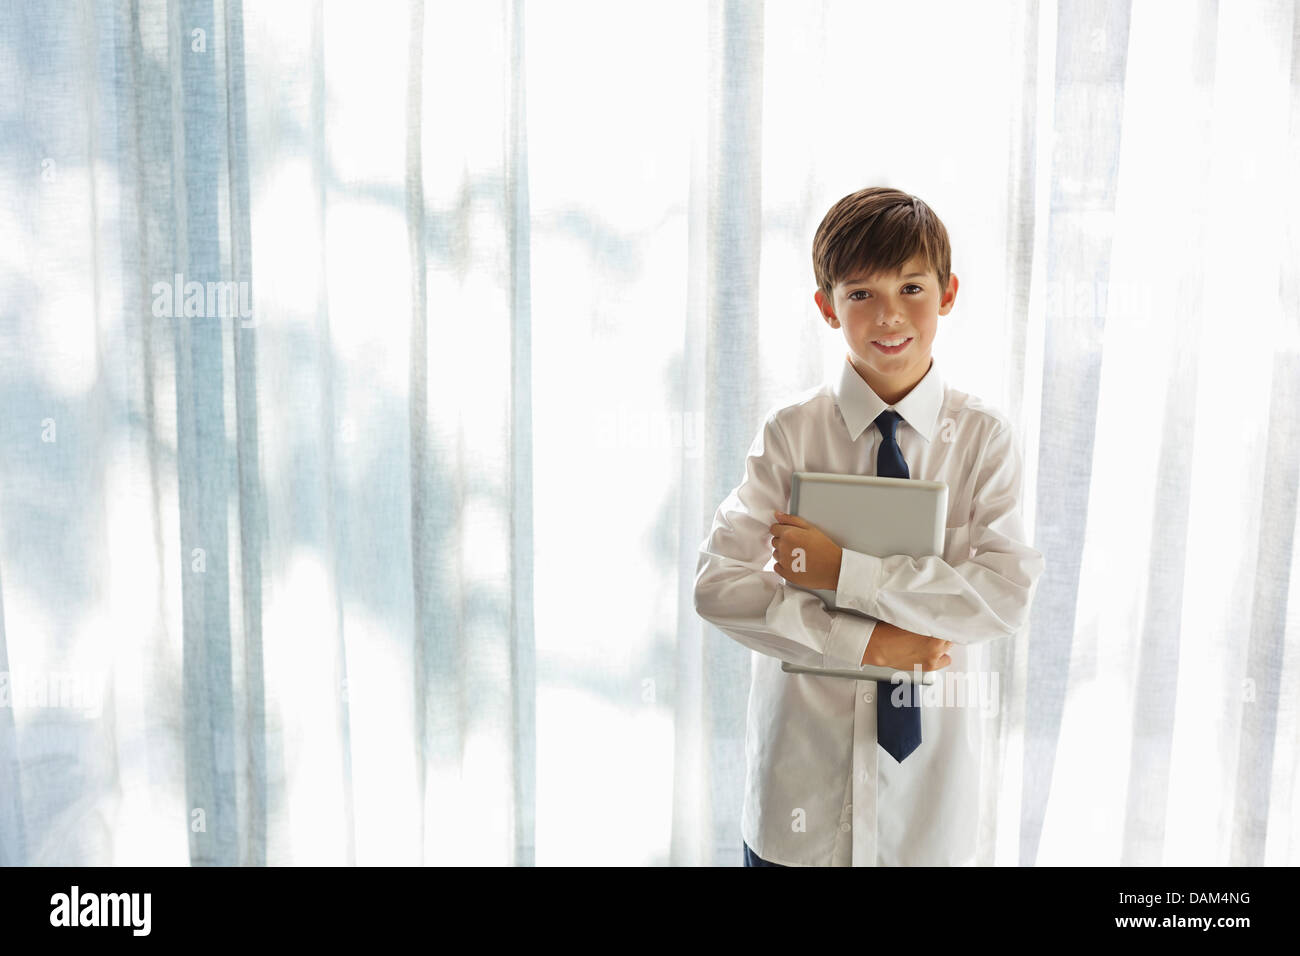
(893, 391)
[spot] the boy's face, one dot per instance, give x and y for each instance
(885, 308)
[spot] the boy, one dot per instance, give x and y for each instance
(819, 790)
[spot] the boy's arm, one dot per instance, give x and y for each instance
(751, 605)
(984, 597)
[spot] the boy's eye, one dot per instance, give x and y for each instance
(910, 285)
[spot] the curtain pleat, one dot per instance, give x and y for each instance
(523, 545)
(1088, 110)
(735, 237)
(1267, 739)
(1149, 757)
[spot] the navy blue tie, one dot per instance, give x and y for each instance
(898, 727)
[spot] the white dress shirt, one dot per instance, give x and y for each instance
(819, 790)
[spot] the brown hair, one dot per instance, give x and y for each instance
(878, 229)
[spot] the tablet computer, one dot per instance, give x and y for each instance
(879, 516)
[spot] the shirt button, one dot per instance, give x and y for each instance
(866, 698)
(844, 828)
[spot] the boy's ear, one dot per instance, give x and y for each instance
(824, 306)
(949, 295)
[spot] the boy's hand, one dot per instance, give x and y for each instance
(817, 565)
(891, 646)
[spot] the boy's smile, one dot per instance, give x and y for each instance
(889, 323)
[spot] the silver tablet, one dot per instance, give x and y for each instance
(865, 672)
(880, 516)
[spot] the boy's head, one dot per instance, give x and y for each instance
(883, 267)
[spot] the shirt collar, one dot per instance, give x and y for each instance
(860, 405)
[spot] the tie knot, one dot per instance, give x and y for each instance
(887, 421)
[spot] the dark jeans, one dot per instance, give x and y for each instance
(753, 859)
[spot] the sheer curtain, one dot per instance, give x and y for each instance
(371, 373)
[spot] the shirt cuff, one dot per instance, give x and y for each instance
(859, 582)
(847, 642)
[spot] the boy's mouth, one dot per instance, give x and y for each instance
(893, 349)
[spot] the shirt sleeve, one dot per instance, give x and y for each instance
(754, 606)
(979, 599)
